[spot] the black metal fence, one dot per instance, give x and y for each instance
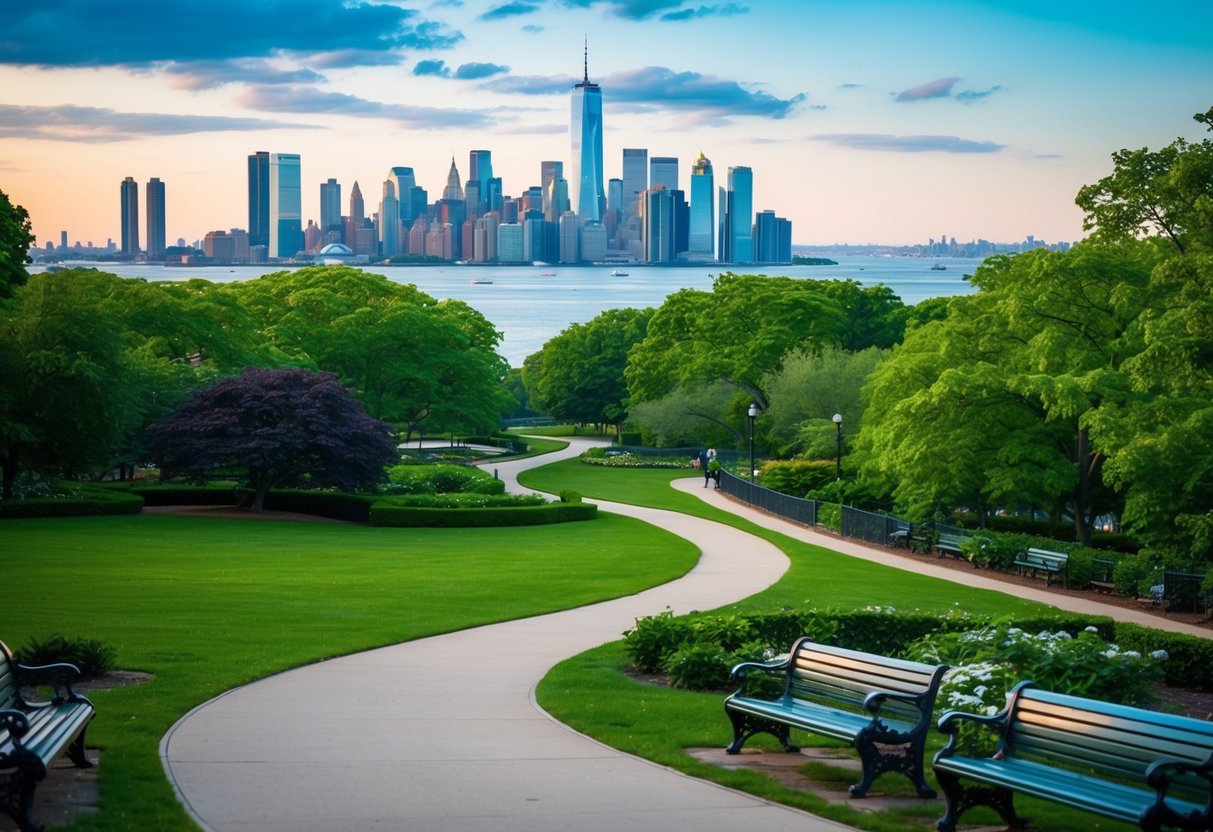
(872, 527)
(796, 509)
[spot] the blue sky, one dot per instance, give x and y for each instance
(863, 121)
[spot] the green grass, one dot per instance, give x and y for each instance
(592, 693)
(209, 604)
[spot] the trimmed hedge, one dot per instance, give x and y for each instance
(184, 495)
(338, 505)
(88, 501)
(1189, 661)
(390, 516)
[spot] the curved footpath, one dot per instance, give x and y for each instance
(443, 734)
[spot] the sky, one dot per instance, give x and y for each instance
(864, 121)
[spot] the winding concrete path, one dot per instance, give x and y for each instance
(443, 734)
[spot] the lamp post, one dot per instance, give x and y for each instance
(752, 413)
(838, 442)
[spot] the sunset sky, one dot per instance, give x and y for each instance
(863, 121)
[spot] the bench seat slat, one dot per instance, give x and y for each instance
(835, 723)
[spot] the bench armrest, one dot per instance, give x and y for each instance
(1159, 776)
(1160, 773)
(873, 702)
(15, 722)
(741, 671)
(59, 676)
(952, 722)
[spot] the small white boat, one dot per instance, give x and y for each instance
(474, 282)
(618, 273)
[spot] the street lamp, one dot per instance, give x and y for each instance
(752, 413)
(838, 442)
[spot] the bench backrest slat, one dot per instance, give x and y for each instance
(8, 678)
(848, 676)
(1117, 740)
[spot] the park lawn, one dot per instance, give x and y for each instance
(593, 694)
(207, 604)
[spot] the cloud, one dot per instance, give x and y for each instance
(532, 28)
(432, 67)
(707, 98)
(939, 88)
(142, 32)
(975, 95)
(92, 125)
(666, 10)
(312, 101)
(509, 10)
(202, 75)
(476, 71)
(909, 144)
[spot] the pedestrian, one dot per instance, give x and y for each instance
(713, 467)
(703, 467)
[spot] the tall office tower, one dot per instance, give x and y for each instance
(155, 219)
(286, 205)
(593, 243)
(532, 200)
(330, 210)
(663, 170)
(451, 214)
(480, 170)
(635, 179)
(389, 220)
(405, 182)
(702, 230)
(130, 216)
(534, 238)
(493, 197)
(772, 238)
(682, 222)
(657, 224)
(484, 247)
(585, 129)
(259, 199)
(740, 219)
(614, 195)
(509, 243)
(510, 210)
(549, 171)
(453, 189)
(556, 199)
(62, 239)
(569, 237)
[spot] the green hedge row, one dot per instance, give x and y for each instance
(183, 495)
(86, 501)
(338, 505)
(402, 517)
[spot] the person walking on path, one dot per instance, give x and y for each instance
(704, 460)
(713, 467)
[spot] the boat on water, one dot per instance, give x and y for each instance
(481, 281)
(618, 273)
(939, 267)
(548, 274)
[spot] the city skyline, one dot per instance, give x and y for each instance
(862, 122)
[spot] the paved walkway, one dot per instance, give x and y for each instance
(443, 734)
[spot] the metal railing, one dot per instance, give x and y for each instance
(796, 509)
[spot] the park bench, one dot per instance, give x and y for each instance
(1043, 560)
(915, 538)
(1101, 575)
(34, 734)
(952, 545)
(882, 706)
(1143, 767)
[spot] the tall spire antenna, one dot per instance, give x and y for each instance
(587, 59)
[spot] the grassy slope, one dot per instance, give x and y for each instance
(209, 604)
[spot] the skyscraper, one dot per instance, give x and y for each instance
(389, 220)
(259, 198)
(405, 182)
(657, 226)
(585, 129)
(635, 179)
(703, 215)
(740, 220)
(480, 170)
(286, 205)
(454, 188)
(155, 219)
(330, 209)
(663, 170)
(130, 216)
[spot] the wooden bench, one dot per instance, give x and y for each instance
(952, 545)
(1143, 767)
(882, 706)
(34, 734)
(1043, 560)
(1101, 575)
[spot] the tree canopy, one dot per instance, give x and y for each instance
(283, 427)
(16, 237)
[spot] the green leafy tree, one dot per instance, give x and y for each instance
(1167, 192)
(703, 416)
(16, 237)
(578, 376)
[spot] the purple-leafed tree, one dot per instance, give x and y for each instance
(283, 427)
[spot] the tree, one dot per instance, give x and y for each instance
(579, 375)
(16, 237)
(283, 427)
(1167, 192)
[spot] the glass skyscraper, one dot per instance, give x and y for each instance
(155, 219)
(286, 205)
(330, 208)
(703, 213)
(585, 129)
(130, 216)
(740, 219)
(480, 170)
(663, 170)
(259, 198)
(635, 178)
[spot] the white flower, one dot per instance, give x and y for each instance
(1159, 655)
(1090, 628)
(1132, 654)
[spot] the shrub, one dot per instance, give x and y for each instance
(385, 515)
(465, 500)
(570, 496)
(830, 516)
(797, 476)
(612, 458)
(699, 665)
(75, 500)
(440, 478)
(337, 505)
(653, 638)
(92, 657)
(1189, 661)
